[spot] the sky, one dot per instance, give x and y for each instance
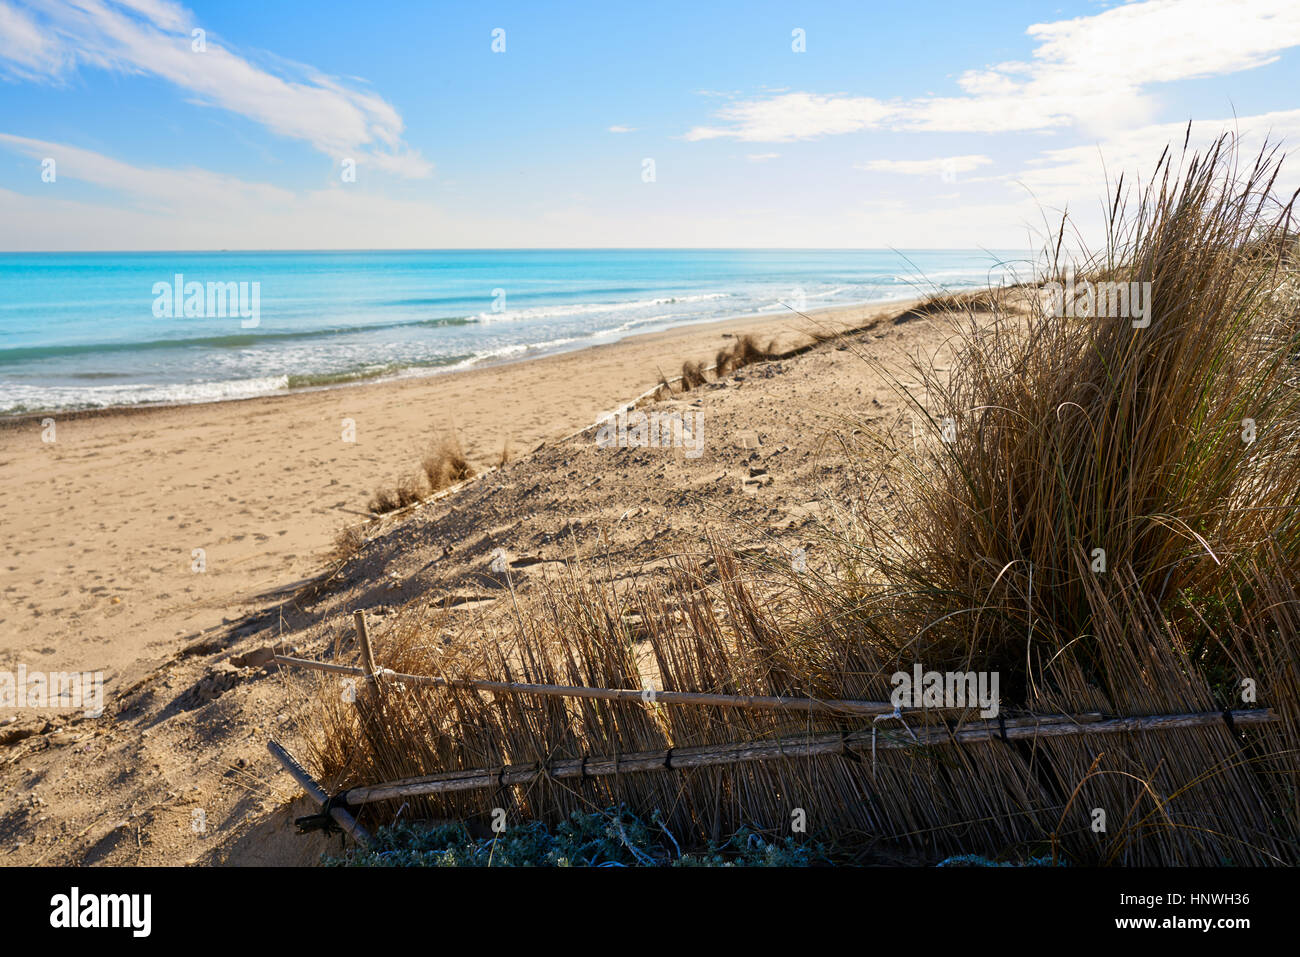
(256, 124)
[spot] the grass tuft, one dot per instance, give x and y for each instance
(445, 464)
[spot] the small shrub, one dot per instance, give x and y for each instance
(610, 838)
(692, 376)
(445, 463)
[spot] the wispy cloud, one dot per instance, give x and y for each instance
(148, 187)
(149, 207)
(928, 167)
(155, 38)
(26, 51)
(1092, 72)
(622, 129)
(794, 116)
(1066, 176)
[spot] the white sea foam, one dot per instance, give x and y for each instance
(592, 308)
(19, 398)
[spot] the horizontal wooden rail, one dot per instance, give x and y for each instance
(752, 702)
(822, 744)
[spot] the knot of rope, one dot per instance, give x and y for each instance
(898, 714)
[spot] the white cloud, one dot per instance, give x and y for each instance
(321, 219)
(1082, 179)
(153, 37)
(761, 157)
(1081, 173)
(928, 167)
(622, 129)
(1092, 72)
(27, 51)
(795, 116)
(155, 188)
(159, 208)
(1164, 40)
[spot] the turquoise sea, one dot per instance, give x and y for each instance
(84, 330)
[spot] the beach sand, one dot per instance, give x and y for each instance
(100, 526)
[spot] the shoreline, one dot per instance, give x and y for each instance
(17, 419)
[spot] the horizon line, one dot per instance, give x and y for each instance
(514, 249)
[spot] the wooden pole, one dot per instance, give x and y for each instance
(314, 791)
(822, 744)
(363, 636)
(753, 702)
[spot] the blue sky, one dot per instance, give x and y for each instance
(908, 125)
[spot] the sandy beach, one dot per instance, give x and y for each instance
(264, 485)
(101, 525)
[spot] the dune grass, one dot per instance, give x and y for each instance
(744, 351)
(443, 464)
(692, 375)
(1165, 454)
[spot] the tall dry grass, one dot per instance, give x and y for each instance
(1109, 496)
(1072, 435)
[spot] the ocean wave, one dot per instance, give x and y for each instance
(234, 340)
(564, 292)
(368, 373)
(24, 398)
(580, 309)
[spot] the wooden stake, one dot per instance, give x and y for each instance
(314, 791)
(363, 635)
